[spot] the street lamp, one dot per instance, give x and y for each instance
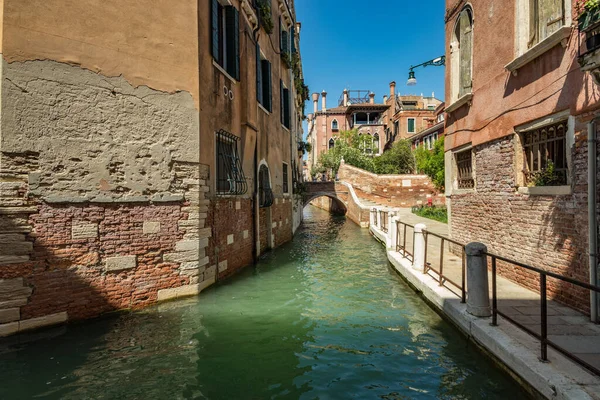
(437, 62)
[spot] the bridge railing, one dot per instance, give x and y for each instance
(405, 240)
(383, 217)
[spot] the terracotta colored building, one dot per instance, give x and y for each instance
(520, 113)
(429, 136)
(398, 117)
(147, 150)
(355, 110)
(408, 115)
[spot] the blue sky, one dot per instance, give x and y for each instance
(361, 44)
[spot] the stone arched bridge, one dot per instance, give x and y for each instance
(335, 191)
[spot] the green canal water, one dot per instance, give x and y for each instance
(323, 317)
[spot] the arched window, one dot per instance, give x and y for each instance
(331, 143)
(334, 125)
(376, 143)
(265, 193)
(462, 55)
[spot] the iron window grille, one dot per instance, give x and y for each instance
(230, 175)
(265, 193)
(285, 179)
(545, 154)
(464, 165)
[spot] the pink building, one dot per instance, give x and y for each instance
(520, 112)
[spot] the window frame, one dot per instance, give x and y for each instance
(414, 120)
(285, 105)
(234, 172)
(264, 87)
(456, 51)
(563, 117)
(285, 179)
(225, 40)
(464, 171)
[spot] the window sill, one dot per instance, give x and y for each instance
(546, 190)
(217, 66)
(542, 47)
(285, 128)
(264, 109)
(467, 98)
(462, 191)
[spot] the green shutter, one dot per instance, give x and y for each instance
(267, 85)
(280, 36)
(232, 19)
(293, 40)
(281, 105)
(215, 29)
(259, 84)
(284, 42)
(466, 52)
(286, 108)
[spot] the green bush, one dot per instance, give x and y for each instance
(436, 213)
(431, 163)
(356, 150)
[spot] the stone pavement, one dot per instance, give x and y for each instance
(567, 328)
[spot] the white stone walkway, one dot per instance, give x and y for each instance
(559, 378)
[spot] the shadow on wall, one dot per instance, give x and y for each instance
(86, 260)
(329, 203)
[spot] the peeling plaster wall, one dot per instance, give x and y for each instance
(97, 138)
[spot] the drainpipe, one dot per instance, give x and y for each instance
(593, 224)
(255, 226)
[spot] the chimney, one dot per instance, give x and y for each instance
(372, 98)
(315, 98)
(385, 99)
(392, 89)
(324, 100)
(345, 97)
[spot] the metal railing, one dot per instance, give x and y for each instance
(383, 216)
(543, 336)
(374, 216)
(401, 235)
(442, 278)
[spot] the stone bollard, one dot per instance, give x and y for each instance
(388, 236)
(478, 291)
(419, 255)
(393, 233)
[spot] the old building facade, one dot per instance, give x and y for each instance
(429, 136)
(519, 116)
(146, 150)
(356, 109)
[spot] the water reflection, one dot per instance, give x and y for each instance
(323, 317)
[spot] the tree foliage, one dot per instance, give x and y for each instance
(431, 163)
(357, 150)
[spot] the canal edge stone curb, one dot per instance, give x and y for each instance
(520, 359)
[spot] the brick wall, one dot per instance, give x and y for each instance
(392, 190)
(74, 260)
(548, 232)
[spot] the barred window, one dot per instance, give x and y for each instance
(230, 176)
(265, 193)
(285, 178)
(545, 154)
(464, 167)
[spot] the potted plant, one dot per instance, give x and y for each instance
(265, 16)
(588, 19)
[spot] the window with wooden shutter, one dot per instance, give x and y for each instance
(267, 91)
(286, 108)
(225, 40)
(259, 85)
(232, 22)
(281, 107)
(466, 52)
(551, 17)
(215, 31)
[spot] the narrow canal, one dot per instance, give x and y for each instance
(324, 317)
